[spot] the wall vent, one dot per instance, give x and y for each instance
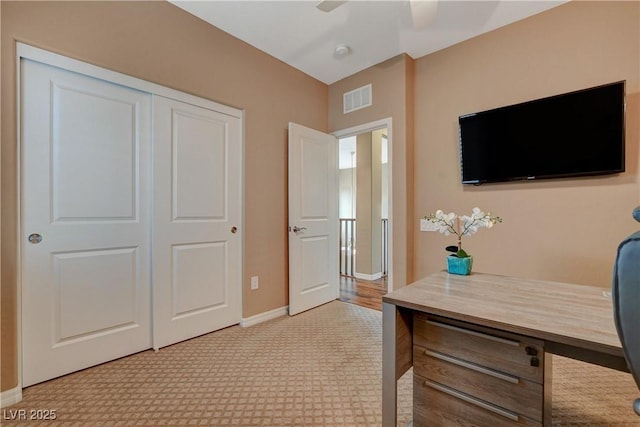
(357, 99)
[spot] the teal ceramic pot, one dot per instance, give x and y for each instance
(460, 266)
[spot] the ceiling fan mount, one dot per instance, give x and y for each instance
(423, 12)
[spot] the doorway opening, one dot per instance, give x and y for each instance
(364, 171)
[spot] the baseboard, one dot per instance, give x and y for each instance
(10, 397)
(369, 277)
(263, 317)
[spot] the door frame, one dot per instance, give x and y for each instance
(25, 51)
(369, 127)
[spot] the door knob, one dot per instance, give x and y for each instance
(296, 228)
(35, 238)
(234, 230)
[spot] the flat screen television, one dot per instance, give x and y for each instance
(574, 134)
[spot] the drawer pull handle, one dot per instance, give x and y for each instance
(469, 399)
(473, 366)
(474, 333)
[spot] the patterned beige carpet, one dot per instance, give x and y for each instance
(319, 368)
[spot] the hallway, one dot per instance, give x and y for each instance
(362, 292)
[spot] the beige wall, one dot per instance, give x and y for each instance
(376, 202)
(369, 203)
(392, 83)
(364, 204)
(564, 230)
(158, 42)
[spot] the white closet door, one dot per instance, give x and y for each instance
(85, 188)
(196, 231)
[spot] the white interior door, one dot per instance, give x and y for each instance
(197, 277)
(313, 218)
(85, 188)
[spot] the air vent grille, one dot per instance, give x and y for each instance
(357, 99)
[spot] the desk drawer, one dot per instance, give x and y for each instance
(501, 352)
(436, 405)
(507, 391)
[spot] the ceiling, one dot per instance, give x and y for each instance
(299, 34)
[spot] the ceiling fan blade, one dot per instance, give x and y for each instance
(423, 13)
(329, 5)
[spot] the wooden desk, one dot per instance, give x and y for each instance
(567, 319)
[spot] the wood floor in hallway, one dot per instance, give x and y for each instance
(364, 293)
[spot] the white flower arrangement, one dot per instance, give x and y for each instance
(461, 225)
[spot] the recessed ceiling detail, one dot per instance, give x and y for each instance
(303, 36)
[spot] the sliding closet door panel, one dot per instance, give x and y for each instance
(197, 239)
(85, 221)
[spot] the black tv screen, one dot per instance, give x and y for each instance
(574, 134)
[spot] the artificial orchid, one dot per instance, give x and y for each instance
(461, 225)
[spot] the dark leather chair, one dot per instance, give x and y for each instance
(625, 292)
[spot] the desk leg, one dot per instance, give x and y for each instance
(397, 355)
(547, 386)
(389, 382)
